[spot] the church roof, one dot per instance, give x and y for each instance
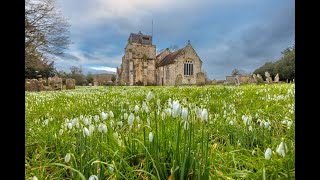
(169, 59)
(167, 49)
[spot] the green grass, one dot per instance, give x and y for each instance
(218, 149)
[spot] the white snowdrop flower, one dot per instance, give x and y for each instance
(111, 114)
(184, 114)
(86, 132)
(150, 137)
(176, 108)
(74, 121)
(168, 112)
(224, 112)
(67, 158)
(115, 135)
(100, 127)
(234, 112)
(144, 105)
(69, 125)
(253, 152)
(289, 123)
(231, 122)
(282, 148)
(86, 121)
(45, 122)
(91, 128)
(120, 123)
(149, 96)
(250, 128)
(61, 132)
(96, 118)
(266, 124)
(104, 116)
(119, 142)
(158, 102)
(204, 115)
(136, 109)
(258, 121)
(138, 119)
(93, 177)
(139, 126)
(111, 169)
(284, 122)
(268, 153)
(130, 119)
(125, 116)
(257, 116)
(146, 109)
(34, 178)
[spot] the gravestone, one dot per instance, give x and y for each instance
(70, 83)
(200, 79)
(33, 85)
(255, 78)
(268, 78)
(276, 79)
(236, 80)
(178, 80)
(55, 83)
(259, 78)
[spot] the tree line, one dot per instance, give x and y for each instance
(285, 66)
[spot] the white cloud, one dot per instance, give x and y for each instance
(104, 68)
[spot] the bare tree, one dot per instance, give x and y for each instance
(46, 31)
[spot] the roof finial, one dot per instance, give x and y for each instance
(188, 41)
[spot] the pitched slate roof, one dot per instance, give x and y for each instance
(169, 59)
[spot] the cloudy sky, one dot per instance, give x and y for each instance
(226, 34)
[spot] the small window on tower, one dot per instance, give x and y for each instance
(145, 38)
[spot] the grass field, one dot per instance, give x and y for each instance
(190, 132)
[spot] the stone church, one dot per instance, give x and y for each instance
(142, 66)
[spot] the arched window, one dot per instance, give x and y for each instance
(188, 68)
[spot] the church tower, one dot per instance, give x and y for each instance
(138, 63)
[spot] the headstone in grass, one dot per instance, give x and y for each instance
(276, 79)
(268, 78)
(200, 79)
(55, 83)
(259, 78)
(70, 83)
(236, 80)
(255, 78)
(178, 81)
(32, 85)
